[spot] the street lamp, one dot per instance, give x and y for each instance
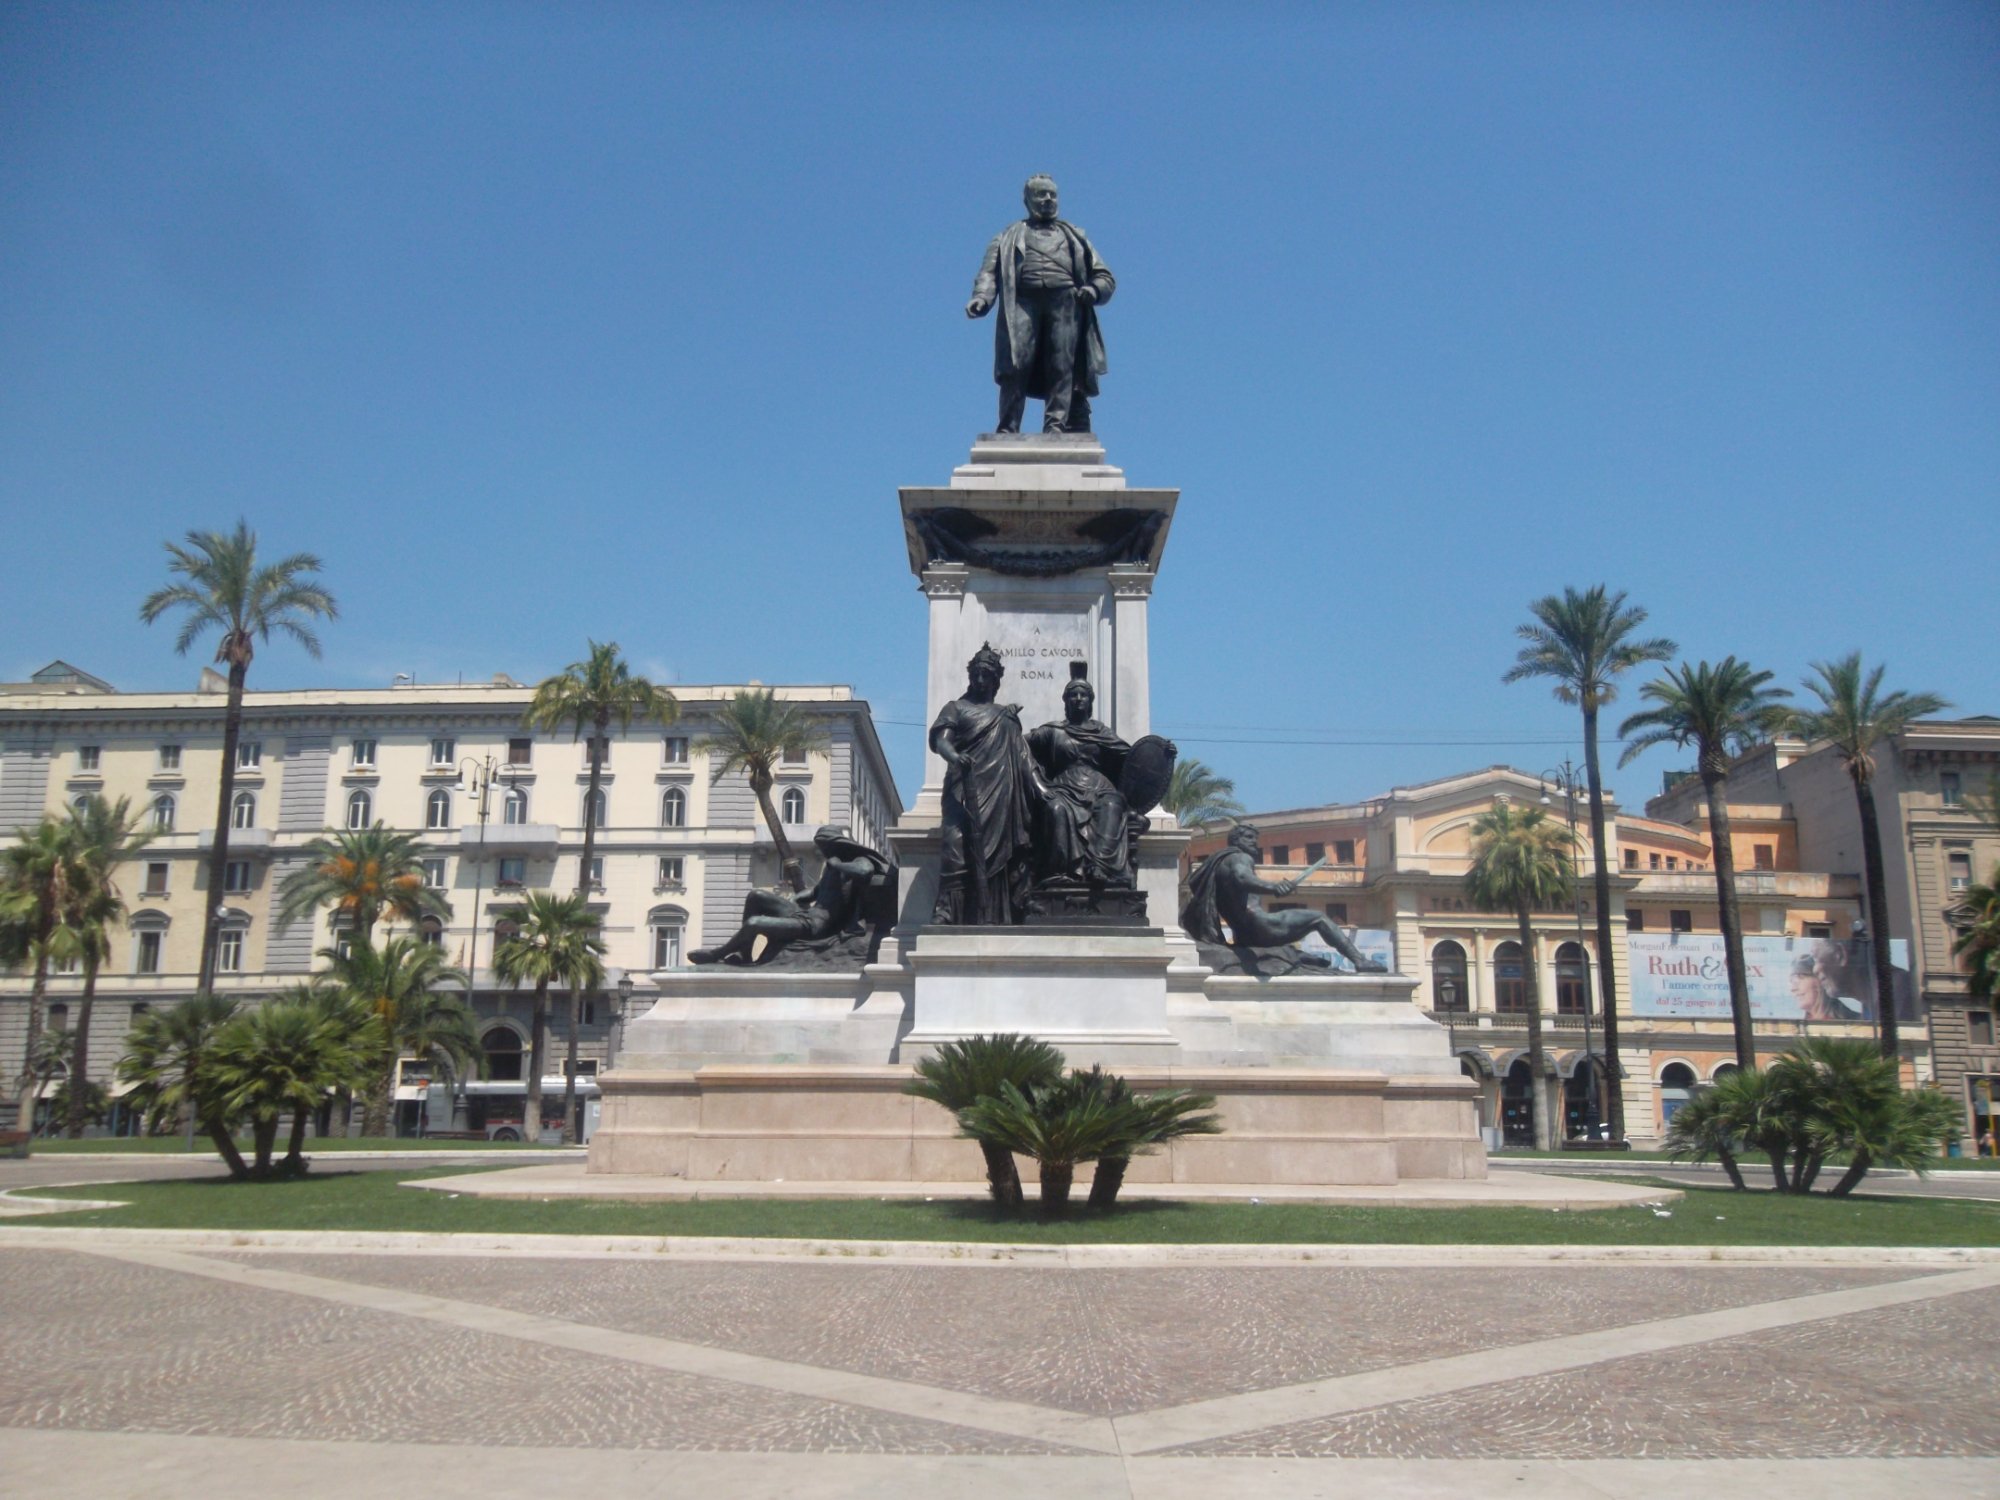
(1568, 778)
(624, 989)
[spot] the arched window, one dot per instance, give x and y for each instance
(593, 809)
(1676, 1078)
(1722, 1071)
(674, 808)
(1448, 976)
(360, 809)
(794, 807)
(1517, 1105)
(505, 931)
(502, 1046)
(163, 813)
(1510, 979)
(1572, 980)
(669, 925)
(81, 806)
(437, 809)
(243, 810)
(514, 810)
(431, 931)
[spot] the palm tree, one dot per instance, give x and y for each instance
(49, 1058)
(754, 734)
(282, 1057)
(1703, 1128)
(1521, 862)
(361, 873)
(166, 1052)
(102, 835)
(224, 587)
(1060, 1124)
(1978, 940)
(1722, 711)
(1583, 640)
(36, 879)
(1157, 1119)
(959, 1074)
(398, 983)
(1198, 798)
(555, 942)
(1854, 716)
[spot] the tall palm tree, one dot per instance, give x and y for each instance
(1854, 716)
(1978, 940)
(1522, 863)
(361, 873)
(103, 835)
(166, 1053)
(1584, 640)
(1198, 798)
(754, 732)
(1722, 711)
(37, 874)
(555, 942)
(399, 984)
(224, 587)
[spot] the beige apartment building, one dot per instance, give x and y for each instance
(500, 811)
(1396, 872)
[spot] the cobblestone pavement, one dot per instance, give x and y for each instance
(146, 1368)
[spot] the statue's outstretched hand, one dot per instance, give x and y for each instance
(1286, 887)
(1087, 295)
(976, 308)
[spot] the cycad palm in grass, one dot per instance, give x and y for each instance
(284, 1057)
(959, 1074)
(1162, 1117)
(1059, 1124)
(166, 1053)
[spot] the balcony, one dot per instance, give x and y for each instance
(532, 839)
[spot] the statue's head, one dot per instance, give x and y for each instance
(1243, 839)
(985, 670)
(1039, 194)
(1078, 696)
(828, 836)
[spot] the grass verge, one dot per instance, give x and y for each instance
(335, 1200)
(161, 1145)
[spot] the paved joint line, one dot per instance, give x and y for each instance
(1228, 1416)
(905, 1398)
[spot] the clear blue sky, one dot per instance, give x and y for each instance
(541, 323)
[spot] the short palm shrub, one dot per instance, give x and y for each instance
(960, 1074)
(1164, 1117)
(1059, 1124)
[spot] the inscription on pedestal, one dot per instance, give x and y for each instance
(1037, 648)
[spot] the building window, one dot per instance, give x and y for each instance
(1448, 990)
(249, 754)
(229, 951)
(431, 931)
(1819, 929)
(58, 1018)
(793, 758)
(81, 805)
(674, 808)
(1572, 980)
(1764, 856)
(434, 874)
(362, 755)
(360, 809)
(593, 809)
(1949, 789)
(667, 942)
(1960, 872)
(236, 876)
(156, 879)
(163, 814)
(1315, 853)
(437, 809)
(1652, 861)
(513, 871)
(1281, 854)
(147, 958)
(794, 809)
(1680, 921)
(444, 752)
(1673, 863)
(170, 757)
(597, 872)
(243, 810)
(520, 752)
(1979, 1027)
(675, 750)
(502, 1047)
(1631, 859)
(1510, 979)
(671, 868)
(1635, 919)
(1343, 851)
(514, 807)
(505, 931)
(88, 758)
(1337, 911)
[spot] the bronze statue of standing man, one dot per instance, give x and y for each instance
(1049, 284)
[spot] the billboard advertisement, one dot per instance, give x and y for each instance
(1681, 975)
(1374, 942)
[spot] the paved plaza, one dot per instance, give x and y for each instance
(148, 1363)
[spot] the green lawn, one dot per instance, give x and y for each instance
(169, 1145)
(371, 1200)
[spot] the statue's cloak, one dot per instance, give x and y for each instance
(1013, 333)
